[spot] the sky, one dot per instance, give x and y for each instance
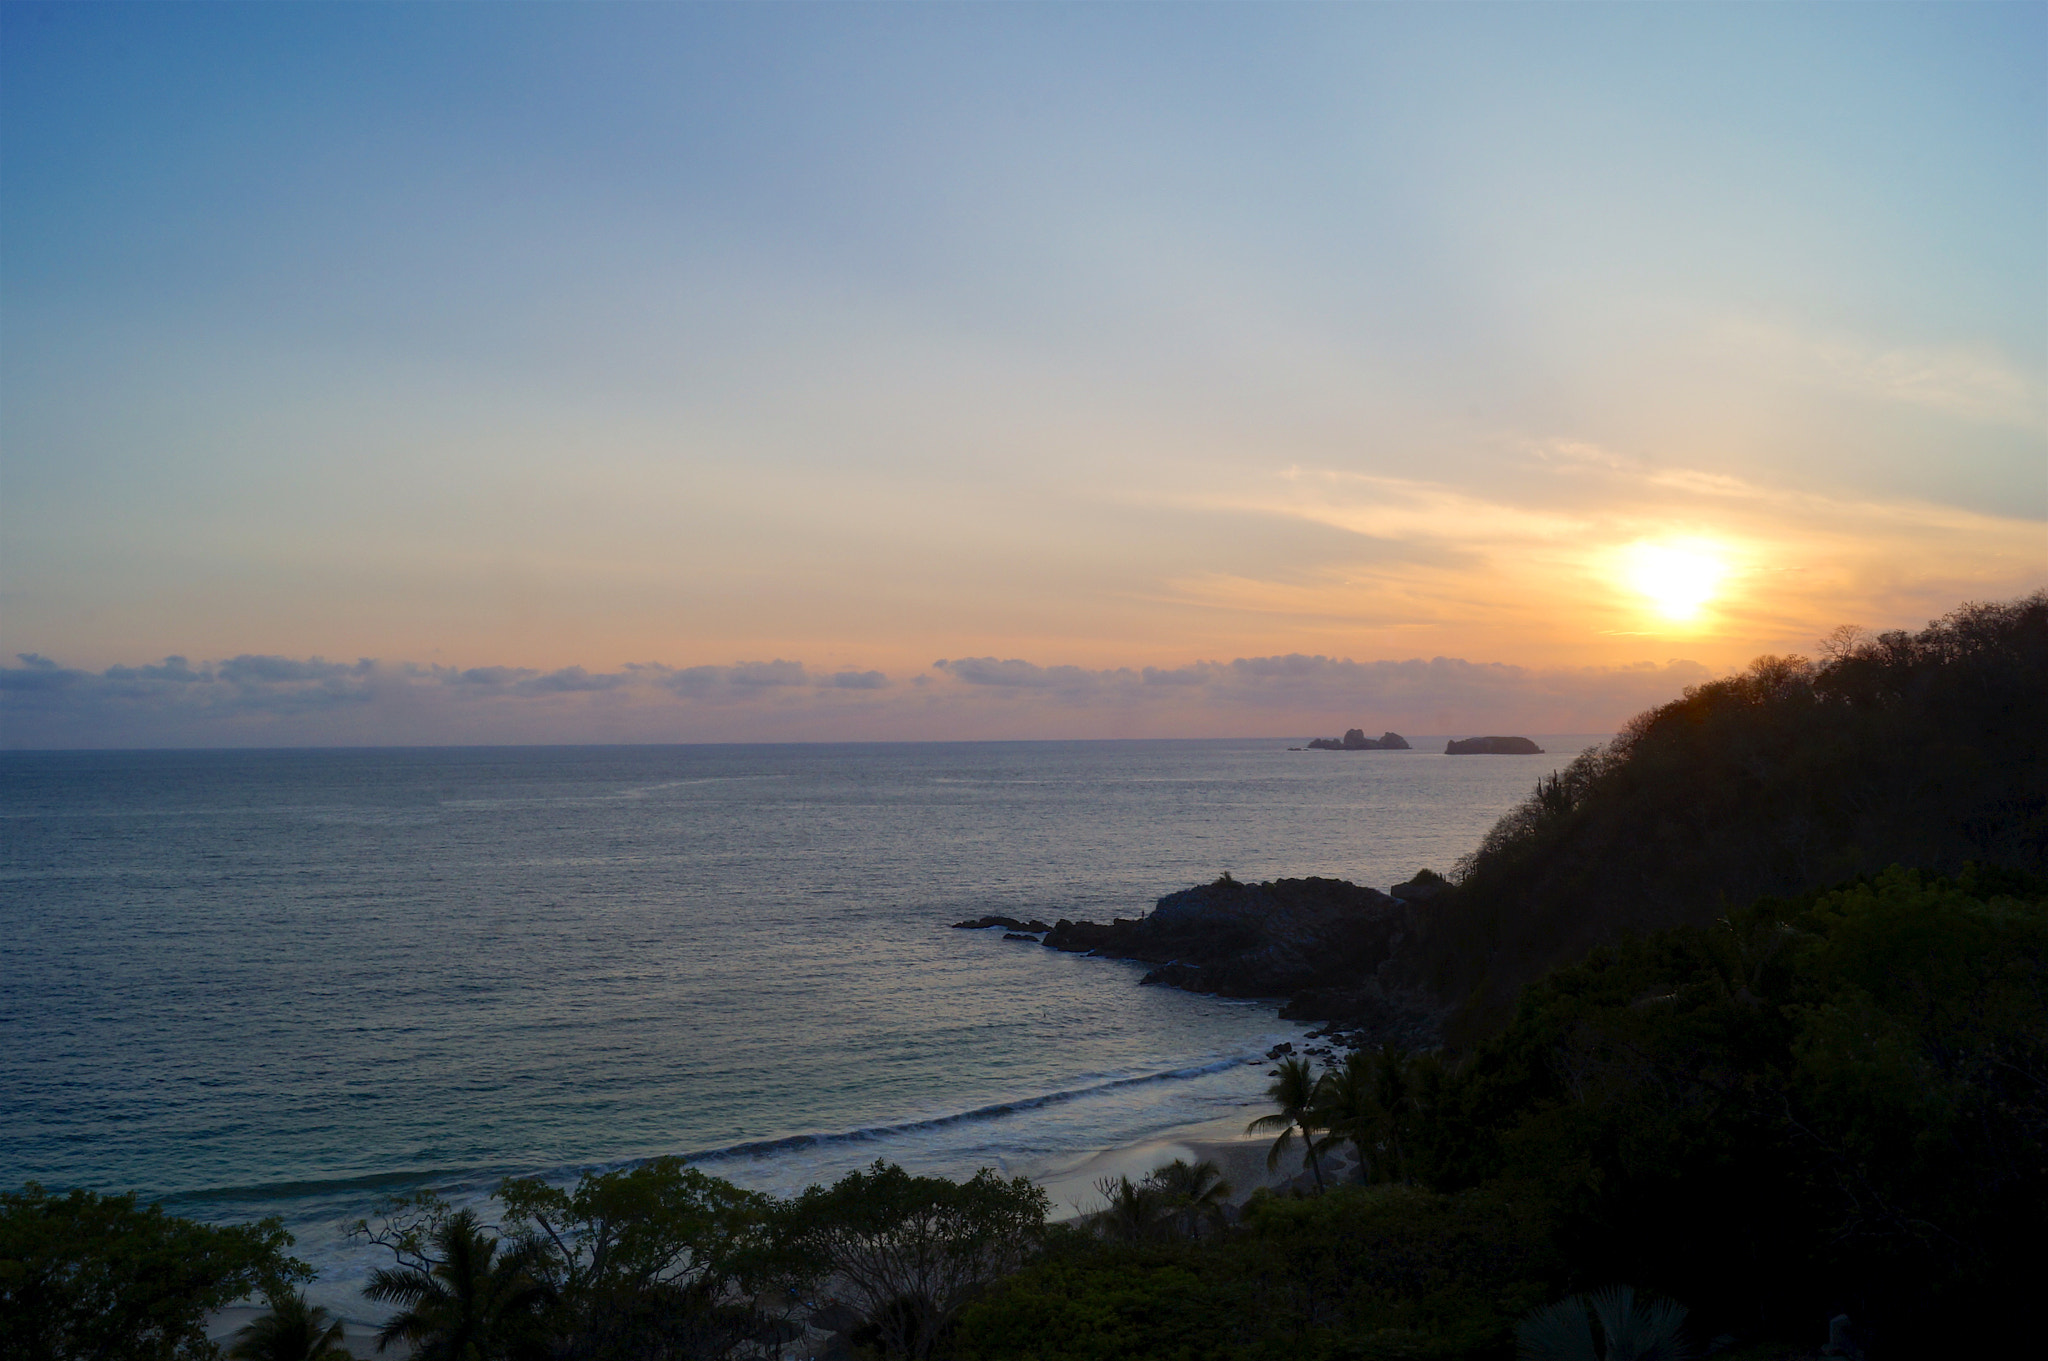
(498, 373)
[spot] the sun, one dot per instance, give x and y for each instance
(1678, 579)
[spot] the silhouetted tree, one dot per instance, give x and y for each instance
(291, 1329)
(1296, 1090)
(463, 1296)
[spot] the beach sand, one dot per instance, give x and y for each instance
(1242, 1158)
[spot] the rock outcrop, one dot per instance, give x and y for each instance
(1010, 924)
(1331, 948)
(1356, 740)
(1493, 746)
(1425, 886)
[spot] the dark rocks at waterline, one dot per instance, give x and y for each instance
(1356, 740)
(1087, 938)
(1007, 923)
(1019, 935)
(1332, 949)
(1492, 746)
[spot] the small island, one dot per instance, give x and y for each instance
(1492, 746)
(1356, 740)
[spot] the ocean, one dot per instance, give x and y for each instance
(292, 982)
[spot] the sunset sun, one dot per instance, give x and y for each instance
(1678, 579)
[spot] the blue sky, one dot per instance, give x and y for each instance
(1108, 337)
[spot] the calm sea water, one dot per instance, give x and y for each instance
(292, 981)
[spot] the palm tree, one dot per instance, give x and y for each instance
(1194, 1194)
(293, 1330)
(1350, 1112)
(1363, 1103)
(470, 1302)
(1295, 1090)
(1130, 1213)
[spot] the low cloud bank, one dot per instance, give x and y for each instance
(282, 701)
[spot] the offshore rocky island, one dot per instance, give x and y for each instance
(1355, 739)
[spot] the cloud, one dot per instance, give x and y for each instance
(1537, 561)
(493, 676)
(1021, 674)
(860, 680)
(38, 674)
(247, 670)
(280, 701)
(570, 680)
(777, 672)
(1973, 383)
(174, 669)
(736, 681)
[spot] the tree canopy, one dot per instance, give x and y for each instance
(87, 1275)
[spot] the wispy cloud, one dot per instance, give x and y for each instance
(1974, 383)
(1538, 559)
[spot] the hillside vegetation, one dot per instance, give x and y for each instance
(1834, 1105)
(1927, 749)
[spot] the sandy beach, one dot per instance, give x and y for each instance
(1242, 1158)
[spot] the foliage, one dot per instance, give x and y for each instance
(907, 1252)
(1175, 1200)
(1832, 1104)
(658, 1259)
(1373, 1101)
(1130, 1212)
(1191, 1196)
(1359, 1272)
(1928, 749)
(91, 1275)
(292, 1329)
(463, 1295)
(1298, 1092)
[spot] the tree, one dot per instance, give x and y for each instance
(1366, 1102)
(1296, 1090)
(651, 1257)
(1844, 1097)
(91, 1275)
(907, 1252)
(460, 1297)
(1131, 1212)
(292, 1330)
(1192, 1195)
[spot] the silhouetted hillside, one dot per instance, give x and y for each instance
(1923, 749)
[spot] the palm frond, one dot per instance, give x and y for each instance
(292, 1329)
(1640, 1327)
(1557, 1332)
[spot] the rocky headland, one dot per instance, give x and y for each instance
(1492, 746)
(1356, 740)
(1332, 951)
